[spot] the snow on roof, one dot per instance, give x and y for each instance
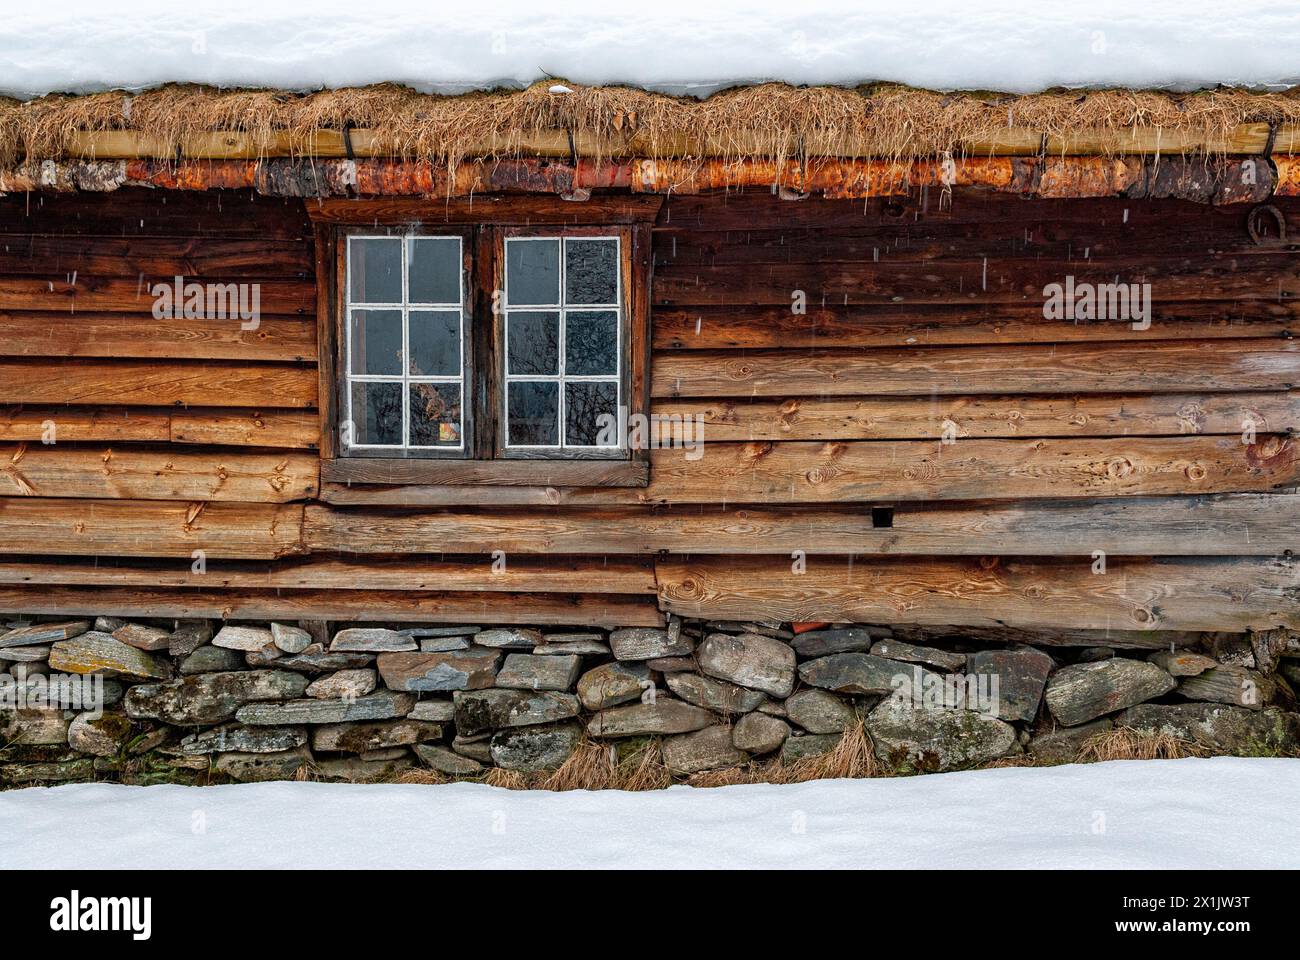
(671, 46)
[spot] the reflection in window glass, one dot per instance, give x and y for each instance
(405, 362)
(563, 369)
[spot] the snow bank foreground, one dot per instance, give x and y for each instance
(670, 45)
(1223, 812)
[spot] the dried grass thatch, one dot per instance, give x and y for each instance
(1125, 744)
(768, 121)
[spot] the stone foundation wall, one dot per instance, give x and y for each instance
(203, 702)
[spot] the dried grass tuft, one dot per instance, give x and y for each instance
(506, 779)
(852, 757)
(1123, 743)
(431, 777)
(769, 121)
(590, 767)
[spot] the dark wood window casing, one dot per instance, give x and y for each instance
(354, 450)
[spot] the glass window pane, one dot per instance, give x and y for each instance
(377, 413)
(591, 414)
(433, 264)
(532, 272)
(435, 414)
(591, 271)
(375, 268)
(376, 342)
(534, 414)
(533, 343)
(435, 343)
(591, 343)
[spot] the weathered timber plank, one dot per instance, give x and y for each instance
(1122, 639)
(549, 574)
(996, 279)
(611, 473)
(532, 608)
(1152, 367)
(799, 472)
(25, 334)
(137, 528)
(145, 383)
(141, 473)
(64, 424)
(198, 257)
(485, 208)
(1174, 594)
(756, 327)
(904, 418)
(156, 213)
(462, 495)
(1240, 524)
(241, 428)
(67, 294)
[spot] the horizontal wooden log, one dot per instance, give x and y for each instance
(197, 258)
(463, 495)
(221, 427)
(87, 294)
(542, 609)
(604, 208)
(1244, 524)
(1231, 594)
(521, 574)
(1118, 639)
(905, 418)
(142, 473)
(539, 472)
(25, 334)
(213, 215)
(241, 428)
(912, 325)
(138, 528)
(974, 281)
(798, 472)
(1152, 367)
(146, 383)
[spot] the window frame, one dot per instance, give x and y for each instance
(500, 378)
(483, 221)
(346, 378)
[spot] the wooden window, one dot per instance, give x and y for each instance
(484, 353)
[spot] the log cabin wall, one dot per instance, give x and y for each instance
(918, 446)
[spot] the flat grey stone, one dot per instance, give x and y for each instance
(243, 638)
(1085, 691)
(613, 683)
(440, 758)
(382, 767)
(343, 684)
(1222, 728)
(290, 639)
(381, 705)
(533, 749)
(481, 711)
(647, 643)
(1021, 673)
(211, 660)
(100, 735)
(262, 767)
(376, 735)
(210, 697)
(926, 739)
(750, 660)
(645, 719)
(758, 733)
(1063, 744)
(24, 654)
(236, 738)
(821, 643)
(1180, 663)
(583, 648)
(517, 638)
(671, 664)
(436, 711)
(188, 636)
(443, 644)
(911, 653)
(574, 637)
(809, 745)
(42, 633)
(143, 637)
(444, 630)
(862, 674)
(707, 749)
(319, 661)
(27, 727)
(524, 671)
(472, 669)
(819, 711)
(711, 694)
(1239, 686)
(95, 652)
(372, 640)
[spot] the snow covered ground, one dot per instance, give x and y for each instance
(671, 45)
(1222, 812)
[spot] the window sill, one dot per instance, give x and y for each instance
(523, 473)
